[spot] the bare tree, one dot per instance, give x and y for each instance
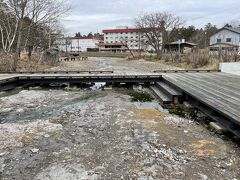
(157, 28)
(8, 27)
(39, 13)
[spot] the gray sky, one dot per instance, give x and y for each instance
(95, 15)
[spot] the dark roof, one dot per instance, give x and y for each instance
(128, 30)
(93, 37)
(186, 43)
(236, 30)
(111, 44)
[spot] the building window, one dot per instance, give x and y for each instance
(229, 40)
(106, 37)
(219, 40)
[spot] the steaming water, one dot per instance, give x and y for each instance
(47, 112)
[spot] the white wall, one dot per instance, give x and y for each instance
(232, 68)
(223, 35)
(133, 39)
(76, 45)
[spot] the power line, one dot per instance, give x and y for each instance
(213, 13)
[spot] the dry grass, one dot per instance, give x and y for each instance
(37, 63)
(198, 60)
(6, 62)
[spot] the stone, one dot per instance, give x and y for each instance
(20, 110)
(46, 135)
(3, 154)
(27, 140)
(203, 176)
(2, 168)
(35, 150)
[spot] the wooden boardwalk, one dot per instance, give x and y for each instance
(216, 91)
(219, 91)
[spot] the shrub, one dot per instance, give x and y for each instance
(6, 62)
(141, 97)
(198, 59)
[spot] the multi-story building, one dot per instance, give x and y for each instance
(226, 40)
(123, 39)
(78, 44)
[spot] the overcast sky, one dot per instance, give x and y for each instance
(95, 15)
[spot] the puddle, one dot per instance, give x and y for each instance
(148, 105)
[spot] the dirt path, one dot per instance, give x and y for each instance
(115, 64)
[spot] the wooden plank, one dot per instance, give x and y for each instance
(205, 97)
(208, 84)
(215, 93)
(214, 102)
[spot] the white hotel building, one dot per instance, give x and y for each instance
(122, 39)
(78, 44)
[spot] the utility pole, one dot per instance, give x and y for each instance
(78, 48)
(139, 44)
(179, 49)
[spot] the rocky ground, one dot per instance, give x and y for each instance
(86, 134)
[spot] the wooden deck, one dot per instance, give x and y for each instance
(219, 91)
